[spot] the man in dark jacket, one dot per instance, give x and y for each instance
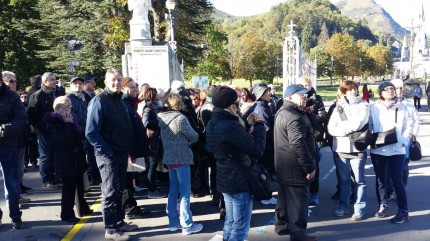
(232, 145)
(109, 130)
(33, 153)
(13, 120)
(315, 106)
(39, 105)
(93, 170)
(294, 164)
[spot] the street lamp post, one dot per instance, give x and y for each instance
(170, 5)
(331, 74)
(230, 64)
(361, 77)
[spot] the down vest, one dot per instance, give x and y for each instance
(232, 146)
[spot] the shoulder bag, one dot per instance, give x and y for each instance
(415, 150)
(360, 139)
(386, 137)
(259, 181)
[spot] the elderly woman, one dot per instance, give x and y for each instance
(351, 114)
(177, 136)
(232, 145)
(69, 158)
(389, 113)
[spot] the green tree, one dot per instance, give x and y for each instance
(255, 58)
(346, 54)
(73, 33)
(382, 59)
(17, 50)
(214, 62)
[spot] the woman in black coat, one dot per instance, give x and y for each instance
(69, 158)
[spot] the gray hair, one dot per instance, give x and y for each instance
(46, 75)
(7, 73)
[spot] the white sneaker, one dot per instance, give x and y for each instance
(272, 201)
(117, 236)
(195, 228)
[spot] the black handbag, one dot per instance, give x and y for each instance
(360, 139)
(415, 150)
(259, 180)
(386, 137)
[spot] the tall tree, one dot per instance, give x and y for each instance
(72, 34)
(17, 50)
(345, 52)
(215, 60)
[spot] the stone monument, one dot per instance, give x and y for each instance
(295, 64)
(155, 64)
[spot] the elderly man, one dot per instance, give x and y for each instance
(294, 164)
(40, 103)
(13, 120)
(109, 130)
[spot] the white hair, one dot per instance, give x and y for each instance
(7, 73)
(176, 84)
(46, 75)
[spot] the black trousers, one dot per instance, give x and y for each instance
(129, 203)
(72, 194)
(291, 213)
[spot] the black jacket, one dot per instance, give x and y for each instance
(232, 146)
(150, 122)
(40, 103)
(139, 143)
(67, 146)
(295, 145)
(13, 118)
(315, 105)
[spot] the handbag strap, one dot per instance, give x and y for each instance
(395, 121)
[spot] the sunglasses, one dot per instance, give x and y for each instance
(12, 81)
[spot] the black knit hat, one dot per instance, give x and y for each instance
(384, 85)
(223, 97)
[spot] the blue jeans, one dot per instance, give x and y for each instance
(345, 165)
(393, 165)
(20, 153)
(238, 208)
(46, 168)
(112, 171)
(151, 170)
(180, 183)
(10, 169)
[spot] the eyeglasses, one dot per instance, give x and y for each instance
(390, 89)
(79, 83)
(65, 107)
(12, 81)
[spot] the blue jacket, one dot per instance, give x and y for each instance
(109, 126)
(79, 108)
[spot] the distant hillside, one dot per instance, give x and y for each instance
(219, 16)
(378, 20)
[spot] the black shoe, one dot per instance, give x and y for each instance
(17, 224)
(222, 214)
(87, 213)
(25, 188)
(70, 220)
(138, 214)
(335, 196)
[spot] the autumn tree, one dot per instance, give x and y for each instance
(345, 52)
(382, 59)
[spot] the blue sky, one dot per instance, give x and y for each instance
(400, 10)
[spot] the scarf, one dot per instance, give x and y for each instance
(393, 104)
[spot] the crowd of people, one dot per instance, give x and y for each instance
(81, 138)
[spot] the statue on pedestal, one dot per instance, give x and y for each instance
(139, 24)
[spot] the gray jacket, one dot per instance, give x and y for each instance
(176, 135)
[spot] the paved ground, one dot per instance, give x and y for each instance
(42, 222)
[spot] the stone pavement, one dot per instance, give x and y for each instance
(42, 221)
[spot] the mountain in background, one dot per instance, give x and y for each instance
(219, 16)
(378, 20)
